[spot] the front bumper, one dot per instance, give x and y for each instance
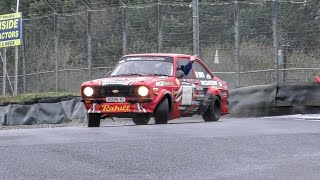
(130, 106)
(129, 100)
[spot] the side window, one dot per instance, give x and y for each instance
(200, 71)
(183, 62)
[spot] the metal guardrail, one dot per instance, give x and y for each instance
(285, 76)
(269, 70)
(42, 81)
(244, 72)
(61, 70)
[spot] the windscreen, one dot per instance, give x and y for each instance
(145, 65)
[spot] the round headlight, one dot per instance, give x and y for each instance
(143, 91)
(88, 91)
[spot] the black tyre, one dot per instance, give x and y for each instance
(93, 119)
(161, 114)
(213, 112)
(141, 120)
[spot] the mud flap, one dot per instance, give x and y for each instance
(93, 109)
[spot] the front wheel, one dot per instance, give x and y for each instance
(161, 114)
(141, 120)
(213, 112)
(94, 119)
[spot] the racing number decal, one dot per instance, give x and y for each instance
(186, 95)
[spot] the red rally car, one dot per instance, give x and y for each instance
(142, 86)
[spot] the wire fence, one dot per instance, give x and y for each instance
(244, 43)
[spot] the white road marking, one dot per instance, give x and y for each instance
(299, 117)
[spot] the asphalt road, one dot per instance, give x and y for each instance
(256, 148)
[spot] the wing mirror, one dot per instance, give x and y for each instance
(179, 74)
(109, 73)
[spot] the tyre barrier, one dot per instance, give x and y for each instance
(53, 110)
(272, 100)
(253, 101)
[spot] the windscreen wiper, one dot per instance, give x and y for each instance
(158, 74)
(128, 74)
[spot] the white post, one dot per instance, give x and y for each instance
(17, 10)
(16, 65)
(4, 74)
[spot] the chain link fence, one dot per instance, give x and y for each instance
(244, 43)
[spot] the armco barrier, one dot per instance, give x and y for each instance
(269, 100)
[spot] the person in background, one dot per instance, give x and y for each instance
(317, 78)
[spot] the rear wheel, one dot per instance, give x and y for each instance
(141, 120)
(161, 114)
(94, 119)
(213, 112)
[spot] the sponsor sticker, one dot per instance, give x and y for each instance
(210, 83)
(182, 108)
(163, 77)
(186, 83)
(115, 108)
(163, 83)
(178, 82)
(186, 95)
(113, 82)
(200, 74)
(200, 88)
(145, 58)
(175, 92)
(195, 102)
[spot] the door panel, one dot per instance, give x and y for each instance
(188, 103)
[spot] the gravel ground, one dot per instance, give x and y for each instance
(74, 123)
(83, 122)
(243, 148)
(128, 121)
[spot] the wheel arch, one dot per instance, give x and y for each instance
(165, 94)
(214, 92)
(168, 96)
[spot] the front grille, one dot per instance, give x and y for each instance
(116, 91)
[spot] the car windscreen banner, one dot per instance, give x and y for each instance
(10, 29)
